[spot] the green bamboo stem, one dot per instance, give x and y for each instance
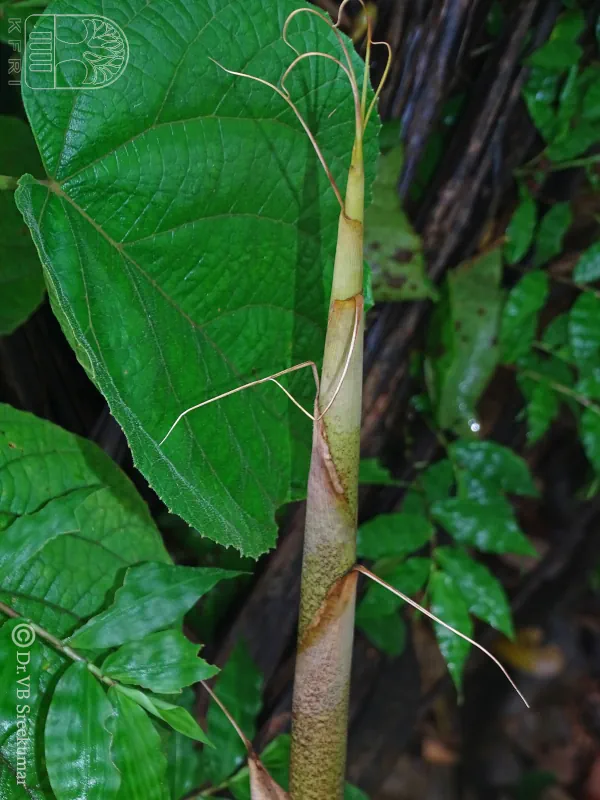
(326, 625)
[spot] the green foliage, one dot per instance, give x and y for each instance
(64, 508)
(493, 463)
(20, 273)
(584, 331)
(561, 95)
(462, 352)
(239, 687)
(152, 200)
(465, 495)
(392, 247)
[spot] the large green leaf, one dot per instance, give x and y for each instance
(77, 739)
(153, 596)
(101, 526)
(21, 281)
(462, 349)
(186, 235)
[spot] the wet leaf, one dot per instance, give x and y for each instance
(521, 228)
(483, 593)
(490, 526)
(520, 315)
(540, 93)
(491, 461)
(542, 407)
(551, 233)
(584, 330)
(587, 268)
(448, 604)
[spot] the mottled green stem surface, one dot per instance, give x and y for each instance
(321, 688)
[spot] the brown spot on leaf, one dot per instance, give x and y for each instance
(402, 255)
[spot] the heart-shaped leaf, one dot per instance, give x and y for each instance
(186, 234)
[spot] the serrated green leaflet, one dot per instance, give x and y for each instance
(186, 236)
(164, 662)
